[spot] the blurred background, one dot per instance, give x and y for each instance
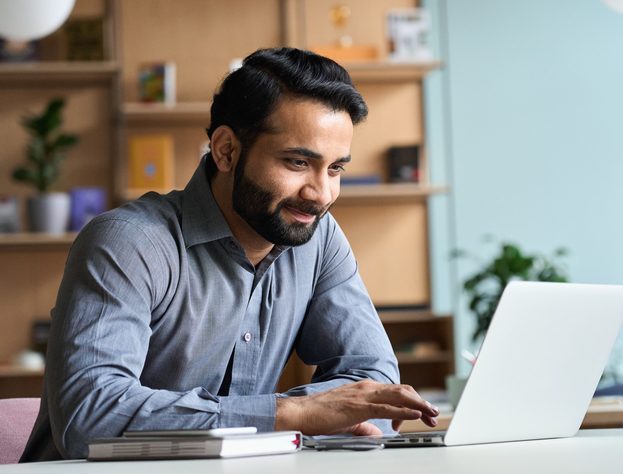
(492, 151)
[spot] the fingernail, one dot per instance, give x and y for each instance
(433, 408)
(433, 421)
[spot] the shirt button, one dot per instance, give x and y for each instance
(247, 337)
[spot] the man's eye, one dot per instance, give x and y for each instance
(337, 168)
(297, 163)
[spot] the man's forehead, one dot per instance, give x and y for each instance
(279, 121)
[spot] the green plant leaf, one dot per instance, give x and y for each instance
(25, 175)
(485, 286)
(64, 141)
(47, 144)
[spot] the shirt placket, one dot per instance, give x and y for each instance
(247, 354)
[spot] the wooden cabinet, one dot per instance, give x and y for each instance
(387, 224)
(31, 265)
(424, 346)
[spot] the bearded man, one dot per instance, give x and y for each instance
(179, 311)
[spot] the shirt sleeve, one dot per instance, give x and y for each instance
(342, 333)
(115, 277)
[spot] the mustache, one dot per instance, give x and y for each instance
(305, 207)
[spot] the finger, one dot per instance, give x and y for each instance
(365, 429)
(431, 410)
(391, 412)
(402, 396)
(429, 420)
(396, 424)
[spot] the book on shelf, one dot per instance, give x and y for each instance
(360, 179)
(404, 164)
(156, 82)
(151, 162)
(84, 38)
(193, 445)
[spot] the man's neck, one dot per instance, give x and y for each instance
(254, 245)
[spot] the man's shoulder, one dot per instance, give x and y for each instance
(153, 216)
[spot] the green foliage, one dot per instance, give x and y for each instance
(47, 147)
(484, 288)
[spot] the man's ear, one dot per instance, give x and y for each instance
(225, 148)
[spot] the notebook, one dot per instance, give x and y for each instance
(537, 370)
(191, 444)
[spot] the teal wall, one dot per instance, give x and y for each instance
(525, 123)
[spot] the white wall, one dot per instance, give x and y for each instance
(525, 123)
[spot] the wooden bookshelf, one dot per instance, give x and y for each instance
(18, 382)
(409, 316)
(392, 90)
(427, 369)
(441, 357)
(58, 71)
(156, 113)
(9, 370)
(390, 192)
(387, 72)
(32, 240)
(352, 193)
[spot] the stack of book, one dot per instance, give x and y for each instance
(192, 444)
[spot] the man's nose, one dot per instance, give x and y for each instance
(318, 190)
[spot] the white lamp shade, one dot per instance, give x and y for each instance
(616, 5)
(25, 20)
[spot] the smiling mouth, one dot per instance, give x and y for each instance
(300, 216)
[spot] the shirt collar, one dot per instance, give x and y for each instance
(202, 219)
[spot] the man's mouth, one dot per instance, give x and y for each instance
(300, 216)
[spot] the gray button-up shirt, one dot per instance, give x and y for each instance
(156, 297)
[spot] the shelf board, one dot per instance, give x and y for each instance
(387, 71)
(390, 317)
(132, 194)
(180, 112)
(17, 371)
(58, 71)
(406, 358)
(395, 192)
(352, 193)
(34, 239)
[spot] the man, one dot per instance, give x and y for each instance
(180, 311)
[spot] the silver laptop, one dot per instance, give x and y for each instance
(537, 370)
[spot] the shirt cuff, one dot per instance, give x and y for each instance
(249, 410)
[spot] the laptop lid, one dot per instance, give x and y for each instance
(539, 364)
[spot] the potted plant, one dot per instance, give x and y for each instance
(47, 211)
(484, 288)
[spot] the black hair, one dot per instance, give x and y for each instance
(250, 94)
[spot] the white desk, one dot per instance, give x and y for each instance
(590, 452)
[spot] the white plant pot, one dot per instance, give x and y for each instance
(49, 212)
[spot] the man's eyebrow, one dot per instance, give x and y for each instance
(307, 153)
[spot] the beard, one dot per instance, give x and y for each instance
(253, 203)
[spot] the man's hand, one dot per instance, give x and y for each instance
(346, 409)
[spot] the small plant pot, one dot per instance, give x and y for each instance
(49, 213)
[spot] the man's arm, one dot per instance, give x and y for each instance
(114, 279)
(343, 336)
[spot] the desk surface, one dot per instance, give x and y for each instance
(591, 451)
